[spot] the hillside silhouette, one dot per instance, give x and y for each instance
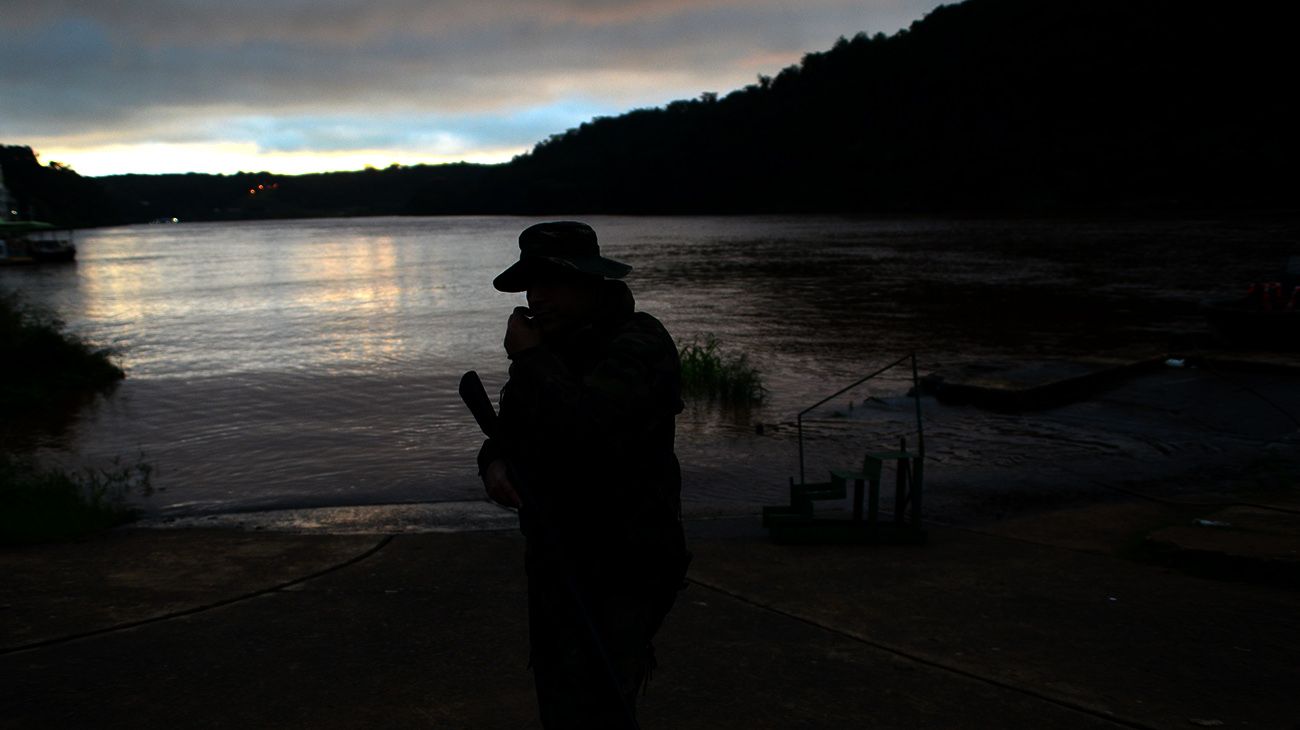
(1001, 104)
(53, 192)
(988, 106)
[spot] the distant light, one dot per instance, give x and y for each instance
(176, 220)
(252, 191)
(261, 187)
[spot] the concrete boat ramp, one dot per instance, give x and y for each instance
(1165, 597)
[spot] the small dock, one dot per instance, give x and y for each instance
(1033, 384)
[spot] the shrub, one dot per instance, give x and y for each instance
(40, 362)
(40, 504)
(41, 368)
(709, 372)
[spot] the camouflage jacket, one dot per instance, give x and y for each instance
(587, 426)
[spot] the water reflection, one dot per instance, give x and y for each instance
(295, 362)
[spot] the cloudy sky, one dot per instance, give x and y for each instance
(293, 86)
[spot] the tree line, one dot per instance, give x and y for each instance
(987, 106)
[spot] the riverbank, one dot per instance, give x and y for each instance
(1130, 559)
(1027, 624)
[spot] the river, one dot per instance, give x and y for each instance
(314, 362)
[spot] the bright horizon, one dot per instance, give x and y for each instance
(227, 158)
(289, 87)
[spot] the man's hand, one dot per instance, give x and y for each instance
(498, 486)
(521, 332)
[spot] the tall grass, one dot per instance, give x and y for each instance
(42, 504)
(709, 372)
(45, 369)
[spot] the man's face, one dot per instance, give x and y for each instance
(557, 307)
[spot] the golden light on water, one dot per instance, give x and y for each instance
(356, 278)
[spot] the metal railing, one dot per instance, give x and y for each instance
(916, 392)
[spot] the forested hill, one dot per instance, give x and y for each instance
(1002, 104)
(988, 106)
(52, 192)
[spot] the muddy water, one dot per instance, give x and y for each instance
(298, 363)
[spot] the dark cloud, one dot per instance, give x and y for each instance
(166, 70)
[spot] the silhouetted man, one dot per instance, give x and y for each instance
(585, 450)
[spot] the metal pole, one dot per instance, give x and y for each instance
(851, 386)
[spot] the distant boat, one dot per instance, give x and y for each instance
(34, 242)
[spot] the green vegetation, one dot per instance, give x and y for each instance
(708, 372)
(41, 368)
(39, 504)
(41, 364)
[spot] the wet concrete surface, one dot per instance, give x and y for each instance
(1260, 543)
(125, 577)
(383, 519)
(429, 630)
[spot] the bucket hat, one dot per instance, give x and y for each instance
(555, 250)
